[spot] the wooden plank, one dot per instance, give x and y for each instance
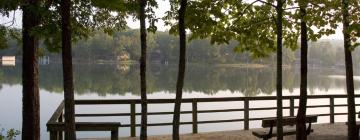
(54, 135)
(102, 115)
(86, 126)
(115, 134)
(292, 109)
(60, 133)
(287, 121)
(332, 110)
(158, 113)
(221, 121)
(54, 125)
(246, 114)
(188, 123)
(194, 117)
(89, 126)
(57, 113)
(133, 119)
(220, 110)
(189, 100)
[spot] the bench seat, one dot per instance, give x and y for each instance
(97, 126)
(288, 129)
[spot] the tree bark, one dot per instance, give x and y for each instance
(279, 112)
(301, 116)
(352, 130)
(181, 72)
(30, 73)
(143, 133)
(70, 129)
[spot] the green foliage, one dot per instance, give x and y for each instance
(87, 16)
(252, 23)
(10, 134)
(326, 16)
(354, 18)
(223, 21)
(3, 38)
(6, 6)
(161, 47)
(7, 34)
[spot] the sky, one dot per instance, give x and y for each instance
(160, 12)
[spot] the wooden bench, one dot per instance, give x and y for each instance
(287, 121)
(113, 127)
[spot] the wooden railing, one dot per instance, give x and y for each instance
(55, 122)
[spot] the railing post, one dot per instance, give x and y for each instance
(332, 110)
(194, 116)
(60, 133)
(132, 119)
(54, 135)
(292, 109)
(115, 134)
(246, 114)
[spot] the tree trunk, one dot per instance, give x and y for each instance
(352, 130)
(181, 72)
(143, 133)
(279, 112)
(70, 133)
(301, 116)
(30, 72)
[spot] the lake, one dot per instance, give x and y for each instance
(121, 81)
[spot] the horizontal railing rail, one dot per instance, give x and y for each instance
(56, 118)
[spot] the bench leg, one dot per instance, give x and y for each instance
(54, 135)
(308, 130)
(114, 134)
(60, 135)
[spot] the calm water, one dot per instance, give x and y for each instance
(122, 82)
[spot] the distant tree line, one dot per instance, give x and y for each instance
(162, 47)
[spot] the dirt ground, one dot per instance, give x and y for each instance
(337, 131)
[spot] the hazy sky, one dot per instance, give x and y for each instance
(160, 12)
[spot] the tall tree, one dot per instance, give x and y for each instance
(353, 133)
(70, 129)
(301, 116)
(279, 32)
(49, 18)
(181, 72)
(30, 72)
(249, 24)
(143, 133)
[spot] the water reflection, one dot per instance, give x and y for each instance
(8, 63)
(111, 79)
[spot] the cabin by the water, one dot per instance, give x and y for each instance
(8, 60)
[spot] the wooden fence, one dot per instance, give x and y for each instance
(56, 128)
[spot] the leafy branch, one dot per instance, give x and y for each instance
(10, 134)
